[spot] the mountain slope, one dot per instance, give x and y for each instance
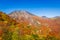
(57, 19)
(22, 25)
(41, 23)
(23, 17)
(7, 26)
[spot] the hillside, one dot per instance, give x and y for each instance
(7, 26)
(57, 19)
(43, 25)
(22, 25)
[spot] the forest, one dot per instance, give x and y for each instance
(10, 29)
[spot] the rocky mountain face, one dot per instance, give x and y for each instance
(24, 17)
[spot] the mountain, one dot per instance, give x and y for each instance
(57, 17)
(22, 25)
(44, 17)
(41, 23)
(24, 17)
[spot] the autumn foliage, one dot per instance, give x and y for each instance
(46, 29)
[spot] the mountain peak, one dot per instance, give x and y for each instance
(23, 16)
(21, 12)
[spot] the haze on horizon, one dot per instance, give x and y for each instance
(49, 8)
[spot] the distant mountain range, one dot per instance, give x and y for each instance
(24, 20)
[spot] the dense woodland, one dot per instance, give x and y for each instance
(10, 29)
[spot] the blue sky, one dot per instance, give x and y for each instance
(49, 8)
